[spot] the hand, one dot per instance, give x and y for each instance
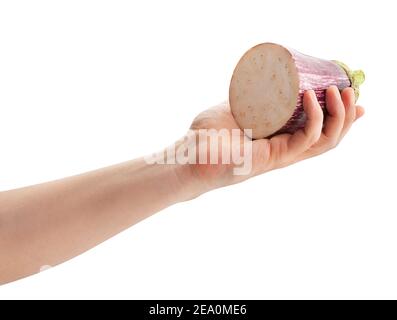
(282, 150)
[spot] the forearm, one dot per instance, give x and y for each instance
(49, 223)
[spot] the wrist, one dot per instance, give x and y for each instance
(178, 179)
(188, 183)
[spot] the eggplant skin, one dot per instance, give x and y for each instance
(314, 74)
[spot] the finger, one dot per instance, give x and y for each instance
(303, 139)
(261, 156)
(336, 115)
(332, 127)
(349, 101)
(322, 145)
(360, 111)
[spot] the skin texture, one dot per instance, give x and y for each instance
(50, 223)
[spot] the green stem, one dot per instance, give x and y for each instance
(356, 77)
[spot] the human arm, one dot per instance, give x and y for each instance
(52, 222)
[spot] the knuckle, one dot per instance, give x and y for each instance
(313, 138)
(311, 141)
(340, 113)
(350, 118)
(330, 143)
(333, 143)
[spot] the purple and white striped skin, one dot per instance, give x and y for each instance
(267, 87)
(314, 74)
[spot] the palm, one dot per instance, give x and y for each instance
(220, 118)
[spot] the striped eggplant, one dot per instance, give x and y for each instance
(268, 83)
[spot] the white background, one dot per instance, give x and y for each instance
(86, 84)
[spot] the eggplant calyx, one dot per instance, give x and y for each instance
(356, 77)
